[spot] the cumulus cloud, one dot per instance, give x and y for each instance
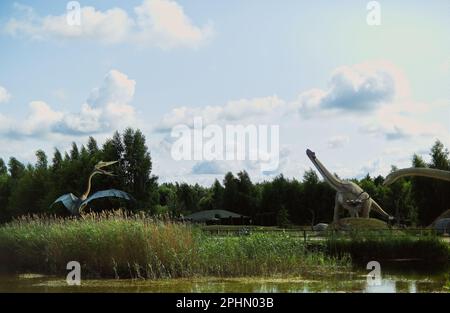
(40, 120)
(162, 23)
(4, 95)
(399, 127)
(165, 23)
(5, 123)
(109, 26)
(107, 108)
(337, 141)
(371, 98)
(360, 88)
(208, 167)
(233, 111)
(377, 92)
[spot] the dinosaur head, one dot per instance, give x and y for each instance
(310, 154)
(99, 167)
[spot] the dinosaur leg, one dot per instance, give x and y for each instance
(337, 206)
(365, 209)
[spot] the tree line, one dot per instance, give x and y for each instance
(31, 188)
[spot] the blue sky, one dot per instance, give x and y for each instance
(364, 97)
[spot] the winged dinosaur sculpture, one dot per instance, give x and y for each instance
(75, 204)
(349, 195)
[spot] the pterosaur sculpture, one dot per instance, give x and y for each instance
(76, 205)
(349, 195)
(413, 171)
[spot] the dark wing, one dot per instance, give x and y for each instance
(109, 193)
(70, 201)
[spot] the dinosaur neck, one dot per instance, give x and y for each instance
(425, 172)
(330, 178)
(88, 190)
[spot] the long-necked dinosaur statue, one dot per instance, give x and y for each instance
(413, 171)
(349, 195)
(75, 204)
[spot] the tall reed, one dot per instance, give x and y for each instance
(121, 245)
(373, 245)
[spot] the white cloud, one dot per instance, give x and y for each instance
(107, 108)
(399, 127)
(109, 26)
(4, 95)
(379, 94)
(337, 141)
(232, 112)
(40, 120)
(165, 23)
(379, 103)
(360, 88)
(5, 123)
(209, 167)
(162, 23)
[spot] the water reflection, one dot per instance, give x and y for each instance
(343, 282)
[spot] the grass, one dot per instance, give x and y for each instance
(351, 223)
(373, 245)
(117, 245)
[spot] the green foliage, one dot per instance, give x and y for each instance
(283, 217)
(33, 188)
(134, 246)
(281, 201)
(364, 246)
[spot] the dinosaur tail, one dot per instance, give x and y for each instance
(378, 208)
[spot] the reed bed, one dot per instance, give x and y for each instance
(122, 245)
(428, 249)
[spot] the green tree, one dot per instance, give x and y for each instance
(16, 168)
(283, 217)
(217, 195)
(3, 168)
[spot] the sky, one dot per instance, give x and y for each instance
(362, 96)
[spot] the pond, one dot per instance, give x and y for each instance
(394, 281)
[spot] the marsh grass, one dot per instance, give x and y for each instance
(264, 254)
(372, 245)
(120, 245)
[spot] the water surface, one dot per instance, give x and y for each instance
(340, 282)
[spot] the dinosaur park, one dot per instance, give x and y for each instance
(189, 150)
(124, 225)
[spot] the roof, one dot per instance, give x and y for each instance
(442, 225)
(210, 215)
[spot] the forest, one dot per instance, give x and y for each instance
(31, 188)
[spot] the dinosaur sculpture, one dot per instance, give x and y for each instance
(349, 195)
(441, 222)
(75, 204)
(413, 171)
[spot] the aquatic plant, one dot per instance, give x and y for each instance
(427, 248)
(121, 245)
